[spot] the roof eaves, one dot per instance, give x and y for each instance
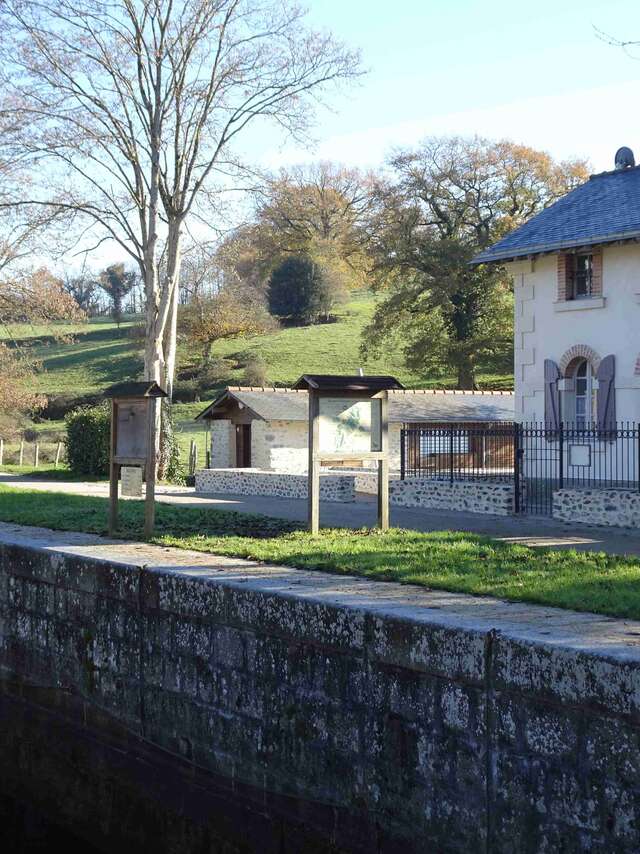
(488, 257)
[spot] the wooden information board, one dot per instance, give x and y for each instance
(348, 420)
(133, 446)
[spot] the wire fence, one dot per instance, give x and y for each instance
(33, 454)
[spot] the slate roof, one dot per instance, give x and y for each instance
(404, 406)
(334, 382)
(604, 209)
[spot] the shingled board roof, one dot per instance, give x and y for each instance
(271, 404)
(604, 209)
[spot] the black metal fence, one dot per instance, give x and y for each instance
(458, 452)
(537, 458)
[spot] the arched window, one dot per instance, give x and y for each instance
(584, 394)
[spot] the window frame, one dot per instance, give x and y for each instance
(583, 420)
(574, 274)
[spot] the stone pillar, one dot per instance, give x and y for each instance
(222, 444)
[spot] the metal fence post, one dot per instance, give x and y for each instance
(403, 459)
(451, 455)
(561, 478)
(516, 466)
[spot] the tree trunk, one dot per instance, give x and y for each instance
(467, 375)
(169, 342)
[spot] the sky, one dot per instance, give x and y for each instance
(536, 73)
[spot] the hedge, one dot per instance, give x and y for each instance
(88, 439)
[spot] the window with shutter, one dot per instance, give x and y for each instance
(579, 276)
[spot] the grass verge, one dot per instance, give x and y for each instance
(445, 560)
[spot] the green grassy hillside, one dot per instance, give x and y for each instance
(96, 354)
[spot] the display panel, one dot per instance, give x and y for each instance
(132, 430)
(349, 426)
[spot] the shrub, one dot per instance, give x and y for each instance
(87, 440)
(300, 291)
(255, 372)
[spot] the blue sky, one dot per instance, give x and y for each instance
(537, 73)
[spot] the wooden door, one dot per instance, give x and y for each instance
(243, 446)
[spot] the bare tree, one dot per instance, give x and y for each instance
(134, 107)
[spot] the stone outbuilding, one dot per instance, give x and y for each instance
(266, 428)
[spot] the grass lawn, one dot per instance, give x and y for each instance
(466, 563)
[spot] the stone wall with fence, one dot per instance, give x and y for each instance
(616, 507)
(333, 486)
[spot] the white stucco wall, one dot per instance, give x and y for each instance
(542, 331)
(278, 445)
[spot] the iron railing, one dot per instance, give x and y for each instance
(538, 458)
(458, 452)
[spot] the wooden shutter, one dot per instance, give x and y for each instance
(551, 394)
(607, 394)
(596, 274)
(565, 269)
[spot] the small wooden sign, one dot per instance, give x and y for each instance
(133, 446)
(131, 481)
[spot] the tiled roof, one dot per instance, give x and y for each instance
(427, 405)
(604, 209)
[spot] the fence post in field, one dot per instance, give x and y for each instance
(21, 451)
(58, 452)
(1, 451)
(36, 454)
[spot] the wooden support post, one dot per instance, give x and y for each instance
(21, 452)
(383, 465)
(1, 451)
(149, 503)
(113, 472)
(58, 452)
(36, 454)
(314, 463)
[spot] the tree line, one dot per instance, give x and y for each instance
(407, 231)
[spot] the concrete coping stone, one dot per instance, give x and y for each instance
(562, 630)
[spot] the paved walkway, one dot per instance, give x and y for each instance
(529, 530)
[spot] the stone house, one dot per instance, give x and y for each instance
(266, 428)
(576, 273)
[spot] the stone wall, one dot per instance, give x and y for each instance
(485, 497)
(190, 703)
(223, 444)
(617, 507)
(333, 487)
